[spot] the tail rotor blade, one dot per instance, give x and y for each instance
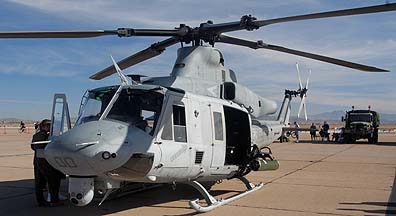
(298, 74)
(305, 109)
(306, 85)
(300, 108)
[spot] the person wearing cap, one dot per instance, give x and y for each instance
(44, 173)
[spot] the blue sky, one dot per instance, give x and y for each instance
(32, 70)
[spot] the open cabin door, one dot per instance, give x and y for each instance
(60, 118)
(238, 136)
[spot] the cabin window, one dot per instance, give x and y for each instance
(179, 123)
(218, 125)
(167, 130)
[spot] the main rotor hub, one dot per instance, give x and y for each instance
(247, 22)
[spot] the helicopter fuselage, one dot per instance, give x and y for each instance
(198, 124)
(156, 135)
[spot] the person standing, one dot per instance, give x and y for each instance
(312, 131)
(326, 133)
(36, 126)
(22, 127)
(44, 173)
(296, 131)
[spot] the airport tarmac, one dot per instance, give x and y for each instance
(313, 179)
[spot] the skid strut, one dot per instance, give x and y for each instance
(213, 203)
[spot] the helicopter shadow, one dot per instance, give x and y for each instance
(386, 208)
(18, 198)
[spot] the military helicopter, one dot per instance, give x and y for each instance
(196, 126)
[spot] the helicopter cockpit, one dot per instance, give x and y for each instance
(139, 106)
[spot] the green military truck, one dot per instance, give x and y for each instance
(361, 124)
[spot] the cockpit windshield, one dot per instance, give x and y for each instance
(94, 105)
(138, 107)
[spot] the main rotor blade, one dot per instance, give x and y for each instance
(121, 32)
(250, 23)
(152, 51)
(260, 45)
(337, 13)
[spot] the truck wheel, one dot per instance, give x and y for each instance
(346, 139)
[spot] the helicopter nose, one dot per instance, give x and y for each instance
(90, 149)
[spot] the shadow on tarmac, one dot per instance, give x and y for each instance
(387, 208)
(17, 198)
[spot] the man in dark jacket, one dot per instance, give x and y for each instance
(43, 172)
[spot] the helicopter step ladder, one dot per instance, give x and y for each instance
(212, 202)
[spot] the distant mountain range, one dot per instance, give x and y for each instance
(13, 120)
(333, 116)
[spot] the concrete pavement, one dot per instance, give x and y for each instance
(313, 179)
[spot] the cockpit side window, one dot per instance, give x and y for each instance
(139, 108)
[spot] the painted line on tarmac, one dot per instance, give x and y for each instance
(392, 199)
(308, 165)
(331, 186)
(15, 155)
(289, 210)
(292, 172)
(15, 167)
(339, 162)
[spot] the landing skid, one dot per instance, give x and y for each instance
(213, 203)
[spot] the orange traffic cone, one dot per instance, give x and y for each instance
(28, 130)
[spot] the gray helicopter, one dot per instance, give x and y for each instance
(196, 126)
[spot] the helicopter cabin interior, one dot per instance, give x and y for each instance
(140, 108)
(237, 136)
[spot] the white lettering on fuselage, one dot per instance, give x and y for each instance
(178, 153)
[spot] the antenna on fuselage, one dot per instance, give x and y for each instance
(123, 78)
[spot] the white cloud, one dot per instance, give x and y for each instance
(160, 13)
(360, 39)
